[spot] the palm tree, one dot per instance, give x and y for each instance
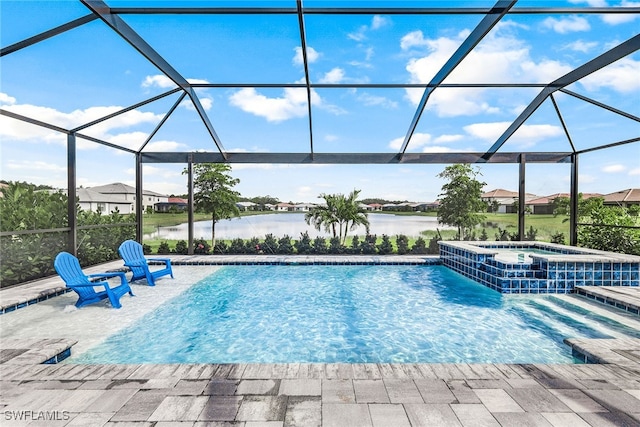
(338, 211)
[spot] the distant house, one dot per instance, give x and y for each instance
(93, 201)
(172, 204)
(375, 207)
(624, 198)
(303, 207)
(545, 205)
(128, 193)
(284, 207)
(245, 206)
(504, 199)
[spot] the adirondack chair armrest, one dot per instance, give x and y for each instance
(121, 275)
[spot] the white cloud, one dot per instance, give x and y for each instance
(417, 140)
(164, 146)
(581, 46)
(35, 165)
(205, 101)
(6, 99)
(374, 100)
(331, 138)
(377, 22)
(510, 62)
(292, 104)
(444, 139)
(567, 25)
(336, 75)
(621, 76)
(616, 168)
(635, 171)
(17, 130)
(525, 136)
(159, 80)
(312, 55)
(304, 191)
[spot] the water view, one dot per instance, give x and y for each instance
(293, 224)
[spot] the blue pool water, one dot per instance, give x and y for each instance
(351, 314)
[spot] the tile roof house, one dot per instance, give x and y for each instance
(505, 199)
(545, 205)
(172, 203)
(90, 200)
(624, 198)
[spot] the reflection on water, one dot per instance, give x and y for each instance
(293, 224)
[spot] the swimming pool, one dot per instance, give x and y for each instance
(349, 313)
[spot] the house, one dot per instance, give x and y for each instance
(284, 207)
(128, 193)
(504, 200)
(303, 207)
(375, 207)
(545, 205)
(172, 204)
(624, 198)
(245, 206)
(93, 201)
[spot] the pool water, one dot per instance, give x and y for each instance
(349, 314)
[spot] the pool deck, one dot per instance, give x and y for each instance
(606, 393)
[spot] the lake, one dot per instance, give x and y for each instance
(293, 224)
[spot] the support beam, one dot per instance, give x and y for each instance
(573, 201)
(522, 196)
(72, 244)
(164, 119)
(47, 34)
(482, 29)
(139, 196)
(303, 43)
(607, 58)
(601, 105)
(190, 205)
(564, 126)
(351, 158)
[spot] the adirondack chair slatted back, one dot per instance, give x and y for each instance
(131, 251)
(68, 267)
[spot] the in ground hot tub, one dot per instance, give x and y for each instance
(538, 267)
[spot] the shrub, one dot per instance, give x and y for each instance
(483, 235)
(284, 245)
(402, 244)
(419, 247)
(558, 238)
(303, 246)
(385, 247)
(146, 249)
(164, 248)
(270, 244)
(319, 246)
(252, 246)
(336, 247)
(502, 235)
(531, 234)
(368, 245)
(181, 247)
(237, 246)
(433, 248)
(355, 246)
(201, 247)
(221, 248)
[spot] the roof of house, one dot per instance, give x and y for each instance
(120, 188)
(177, 200)
(90, 196)
(547, 200)
(623, 196)
(499, 193)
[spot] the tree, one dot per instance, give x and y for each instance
(460, 200)
(338, 215)
(213, 193)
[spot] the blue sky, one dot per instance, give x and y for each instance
(89, 72)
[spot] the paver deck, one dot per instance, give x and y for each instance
(301, 394)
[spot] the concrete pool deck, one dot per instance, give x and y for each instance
(296, 394)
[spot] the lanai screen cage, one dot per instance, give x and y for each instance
(317, 83)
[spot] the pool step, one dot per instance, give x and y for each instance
(599, 309)
(596, 322)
